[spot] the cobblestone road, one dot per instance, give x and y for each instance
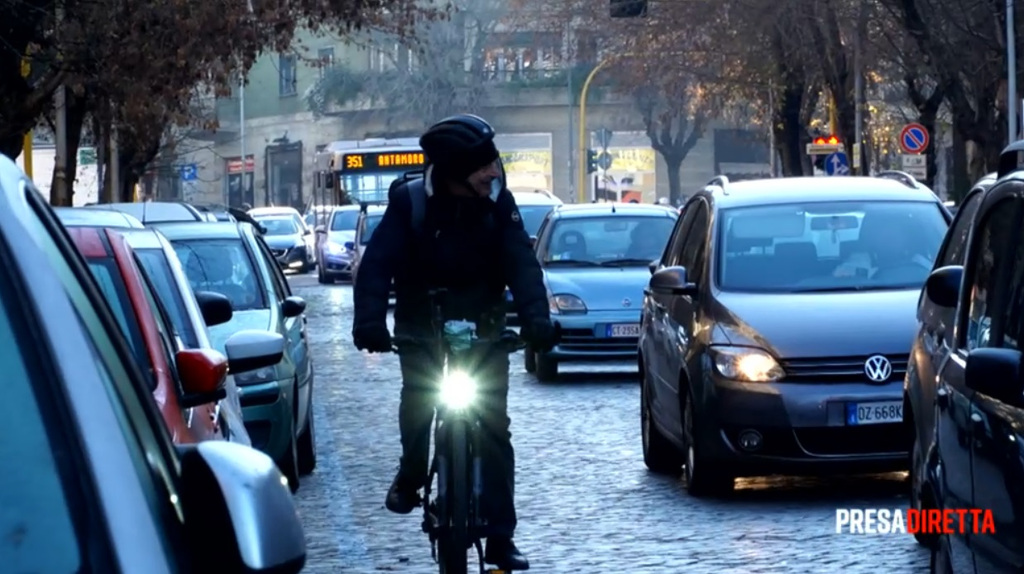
(585, 500)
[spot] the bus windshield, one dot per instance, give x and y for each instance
(367, 173)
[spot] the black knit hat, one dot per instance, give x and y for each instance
(459, 146)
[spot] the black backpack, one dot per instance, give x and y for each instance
(417, 196)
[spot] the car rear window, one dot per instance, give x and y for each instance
(222, 266)
(345, 220)
(369, 226)
(112, 285)
(154, 262)
(533, 216)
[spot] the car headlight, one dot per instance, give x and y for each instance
(458, 390)
(746, 364)
(264, 375)
(335, 249)
(563, 304)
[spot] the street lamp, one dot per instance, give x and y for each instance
(1011, 75)
(582, 157)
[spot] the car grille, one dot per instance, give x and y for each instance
(839, 369)
(869, 439)
(584, 340)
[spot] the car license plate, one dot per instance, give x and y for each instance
(874, 413)
(624, 330)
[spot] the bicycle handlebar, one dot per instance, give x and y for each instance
(508, 340)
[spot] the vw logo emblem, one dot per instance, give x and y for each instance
(626, 302)
(878, 368)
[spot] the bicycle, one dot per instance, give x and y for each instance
(453, 519)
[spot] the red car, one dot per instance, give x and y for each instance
(186, 383)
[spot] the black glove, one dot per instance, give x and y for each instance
(372, 338)
(541, 335)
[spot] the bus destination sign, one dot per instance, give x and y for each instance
(383, 160)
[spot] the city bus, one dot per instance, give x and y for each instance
(362, 171)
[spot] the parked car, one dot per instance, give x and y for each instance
(232, 259)
(932, 347)
(596, 260)
(290, 242)
(534, 207)
(336, 244)
(77, 216)
(776, 328)
(155, 211)
(97, 480)
(975, 459)
(189, 313)
(369, 218)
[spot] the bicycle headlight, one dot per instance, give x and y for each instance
(458, 390)
(746, 364)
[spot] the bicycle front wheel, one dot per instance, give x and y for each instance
(455, 542)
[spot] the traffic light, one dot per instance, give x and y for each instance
(628, 8)
(591, 161)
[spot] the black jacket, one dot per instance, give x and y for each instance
(472, 247)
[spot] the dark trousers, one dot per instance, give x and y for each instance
(421, 376)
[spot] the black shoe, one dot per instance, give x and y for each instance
(502, 552)
(403, 496)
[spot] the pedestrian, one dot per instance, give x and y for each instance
(472, 243)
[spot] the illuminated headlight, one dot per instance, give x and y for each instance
(560, 304)
(335, 249)
(746, 364)
(458, 390)
(264, 375)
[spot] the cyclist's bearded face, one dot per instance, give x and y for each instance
(482, 180)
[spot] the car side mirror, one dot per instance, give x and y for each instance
(239, 509)
(250, 350)
(293, 306)
(997, 373)
(671, 281)
(349, 245)
(216, 308)
(203, 373)
(943, 285)
(653, 266)
(321, 229)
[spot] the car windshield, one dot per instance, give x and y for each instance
(154, 263)
(37, 518)
(108, 276)
(608, 240)
(533, 216)
(222, 266)
(279, 225)
(835, 246)
(345, 220)
(372, 221)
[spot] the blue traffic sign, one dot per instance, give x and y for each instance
(913, 138)
(837, 164)
(189, 172)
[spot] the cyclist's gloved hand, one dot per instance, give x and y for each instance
(541, 334)
(372, 338)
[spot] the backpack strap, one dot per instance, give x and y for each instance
(418, 197)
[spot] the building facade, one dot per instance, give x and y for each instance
(529, 95)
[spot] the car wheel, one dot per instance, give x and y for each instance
(547, 368)
(530, 360)
(928, 540)
(702, 479)
(289, 463)
(307, 443)
(660, 455)
(940, 562)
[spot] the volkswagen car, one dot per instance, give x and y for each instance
(595, 259)
(290, 242)
(336, 244)
(776, 328)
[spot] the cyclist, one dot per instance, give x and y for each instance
(472, 243)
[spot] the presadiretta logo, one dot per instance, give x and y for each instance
(913, 521)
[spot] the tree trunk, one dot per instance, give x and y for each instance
(673, 164)
(961, 181)
(789, 131)
(75, 118)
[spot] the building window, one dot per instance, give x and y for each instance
(326, 59)
(286, 68)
